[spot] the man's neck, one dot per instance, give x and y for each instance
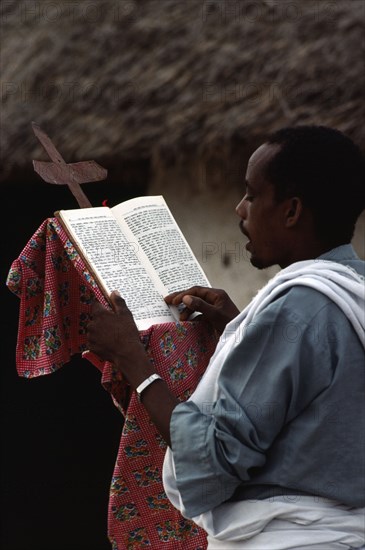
(306, 251)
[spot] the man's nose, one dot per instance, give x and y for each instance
(241, 210)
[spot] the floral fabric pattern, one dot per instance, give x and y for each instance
(56, 292)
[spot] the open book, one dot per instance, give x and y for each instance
(137, 248)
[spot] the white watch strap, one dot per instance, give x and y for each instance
(146, 383)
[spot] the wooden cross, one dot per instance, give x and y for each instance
(61, 173)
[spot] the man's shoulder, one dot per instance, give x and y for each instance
(303, 302)
(347, 256)
(309, 299)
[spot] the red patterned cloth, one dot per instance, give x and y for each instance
(56, 292)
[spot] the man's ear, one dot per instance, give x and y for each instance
(293, 211)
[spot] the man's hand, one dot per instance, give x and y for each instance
(113, 334)
(215, 304)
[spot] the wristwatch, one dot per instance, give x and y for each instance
(146, 383)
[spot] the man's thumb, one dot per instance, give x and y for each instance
(195, 304)
(116, 300)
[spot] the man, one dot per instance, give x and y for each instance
(269, 450)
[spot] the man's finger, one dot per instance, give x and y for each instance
(175, 297)
(197, 304)
(205, 293)
(117, 302)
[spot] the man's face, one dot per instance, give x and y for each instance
(262, 217)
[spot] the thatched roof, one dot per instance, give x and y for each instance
(165, 79)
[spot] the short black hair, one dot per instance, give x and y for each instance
(326, 169)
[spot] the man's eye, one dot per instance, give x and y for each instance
(249, 198)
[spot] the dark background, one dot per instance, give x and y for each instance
(60, 432)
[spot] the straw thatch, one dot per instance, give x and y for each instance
(166, 80)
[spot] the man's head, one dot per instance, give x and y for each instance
(305, 191)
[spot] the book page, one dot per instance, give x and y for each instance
(114, 260)
(150, 221)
